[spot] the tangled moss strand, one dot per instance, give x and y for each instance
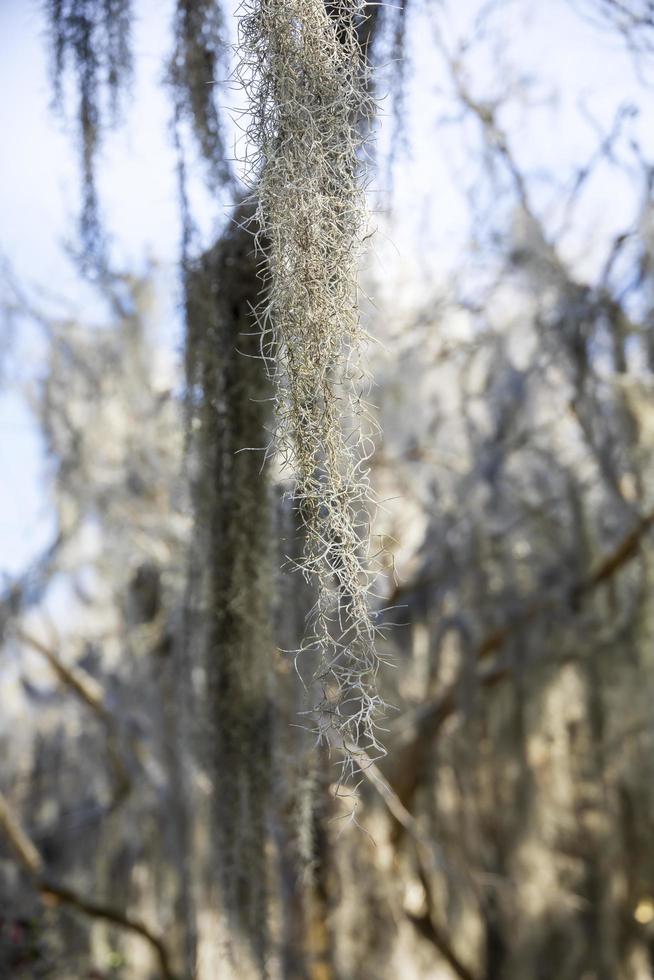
(194, 69)
(303, 68)
(93, 38)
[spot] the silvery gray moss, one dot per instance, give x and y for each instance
(309, 99)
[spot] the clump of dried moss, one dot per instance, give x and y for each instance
(307, 80)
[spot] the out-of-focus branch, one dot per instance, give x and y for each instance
(83, 686)
(427, 859)
(620, 556)
(634, 19)
(89, 693)
(407, 760)
(22, 845)
(424, 924)
(28, 588)
(486, 113)
(55, 893)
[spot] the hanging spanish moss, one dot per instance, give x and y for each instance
(228, 392)
(303, 69)
(90, 41)
(91, 38)
(198, 61)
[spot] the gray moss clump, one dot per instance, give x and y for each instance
(307, 81)
(227, 412)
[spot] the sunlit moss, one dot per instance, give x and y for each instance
(303, 69)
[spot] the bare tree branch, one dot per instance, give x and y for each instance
(19, 840)
(55, 893)
(407, 761)
(89, 693)
(428, 861)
